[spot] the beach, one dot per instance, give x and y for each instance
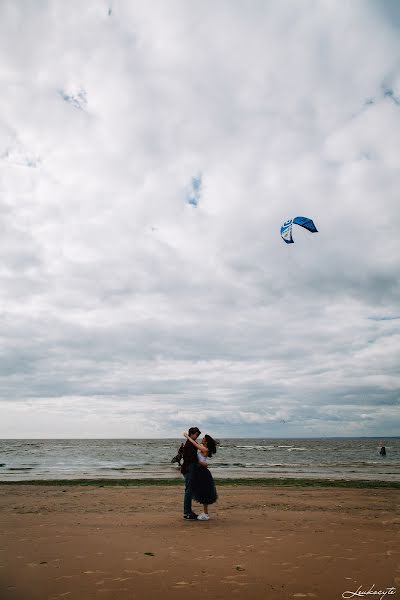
(115, 542)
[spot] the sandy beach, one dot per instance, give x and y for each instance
(120, 543)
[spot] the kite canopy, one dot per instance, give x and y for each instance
(286, 229)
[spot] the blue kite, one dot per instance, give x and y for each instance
(286, 229)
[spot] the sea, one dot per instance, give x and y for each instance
(329, 458)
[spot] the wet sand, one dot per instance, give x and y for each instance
(261, 543)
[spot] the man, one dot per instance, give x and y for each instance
(187, 469)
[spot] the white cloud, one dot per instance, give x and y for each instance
(121, 299)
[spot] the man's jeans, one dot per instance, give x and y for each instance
(187, 502)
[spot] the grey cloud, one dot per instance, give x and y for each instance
(117, 295)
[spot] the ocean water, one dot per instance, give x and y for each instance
(334, 458)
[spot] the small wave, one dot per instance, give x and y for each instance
(114, 466)
(228, 465)
(375, 463)
(255, 447)
(20, 468)
(133, 468)
(116, 469)
(237, 464)
(285, 465)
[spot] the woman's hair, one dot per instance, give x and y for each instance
(211, 445)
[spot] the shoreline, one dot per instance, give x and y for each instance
(242, 482)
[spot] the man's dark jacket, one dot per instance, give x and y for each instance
(189, 456)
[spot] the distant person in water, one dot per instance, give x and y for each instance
(382, 451)
(203, 486)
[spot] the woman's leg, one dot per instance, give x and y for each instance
(205, 506)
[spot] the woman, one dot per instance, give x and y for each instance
(204, 490)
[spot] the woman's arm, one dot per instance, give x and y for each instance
(199, 446)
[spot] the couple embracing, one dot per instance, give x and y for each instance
(199, 483)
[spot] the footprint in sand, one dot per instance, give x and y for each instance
(210, 557)
(113, 590)
(181, 584)
(232, 579)
(97, 571)
(146, 572)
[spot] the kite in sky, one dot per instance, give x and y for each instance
(286, 229)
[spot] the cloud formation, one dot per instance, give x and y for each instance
(128, 310)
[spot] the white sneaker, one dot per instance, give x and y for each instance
(203, 517)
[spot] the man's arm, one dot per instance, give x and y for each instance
(199, 446)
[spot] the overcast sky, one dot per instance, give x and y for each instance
(149, 153)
